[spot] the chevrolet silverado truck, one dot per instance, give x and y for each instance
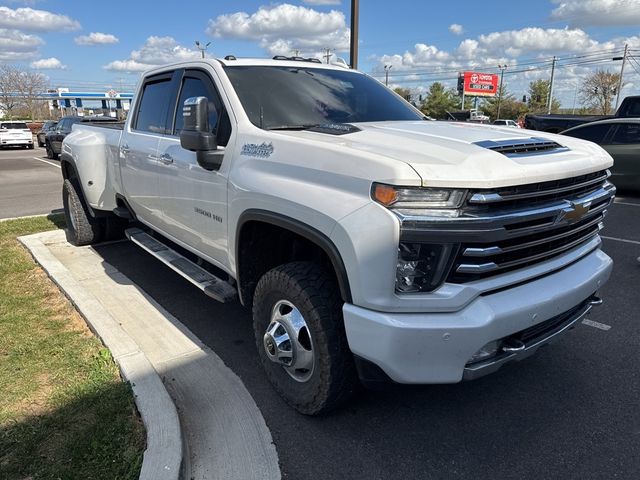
(370, 244)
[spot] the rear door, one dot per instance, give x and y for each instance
(56, 136)
(624, 146)
(139, 147)
(194, 200)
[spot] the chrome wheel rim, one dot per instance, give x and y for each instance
(287, 341)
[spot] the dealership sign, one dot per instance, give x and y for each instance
(480, 84)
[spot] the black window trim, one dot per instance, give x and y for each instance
(207, 78)
(171, 76)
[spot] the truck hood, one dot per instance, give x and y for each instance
(447, 154)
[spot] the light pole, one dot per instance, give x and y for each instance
(502, 69)
(355, 13)
(624, 60)
(386, 74)
(201, 47)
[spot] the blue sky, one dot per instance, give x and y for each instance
(98, 45)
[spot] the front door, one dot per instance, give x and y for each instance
(624, 147)
(194, 200)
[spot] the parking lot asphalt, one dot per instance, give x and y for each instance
(571, 411)
(30, 184)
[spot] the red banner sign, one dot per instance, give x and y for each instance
(480, 84)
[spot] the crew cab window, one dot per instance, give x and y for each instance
(197, 84)
(593, 133)
(626, 134)
(152, 109)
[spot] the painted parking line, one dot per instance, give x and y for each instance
(617, 202)
(47, 161)
(601, 326)
(634, 242)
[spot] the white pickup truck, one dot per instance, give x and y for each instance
(368, 242)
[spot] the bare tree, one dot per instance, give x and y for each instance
(9, 81)
(31, 84)
(599, 89)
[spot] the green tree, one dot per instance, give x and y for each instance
(510, 107)
(598, 90)
(403, 92)
(438, 101)
(538, 96)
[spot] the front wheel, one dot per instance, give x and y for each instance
(83, 229)
(299, 332)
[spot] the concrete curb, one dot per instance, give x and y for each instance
(163, 456)
(58, 211)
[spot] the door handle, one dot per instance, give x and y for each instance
(166, 158)
(124, 148)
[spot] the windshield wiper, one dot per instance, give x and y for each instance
(294, 127)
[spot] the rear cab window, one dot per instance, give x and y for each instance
(151, 115)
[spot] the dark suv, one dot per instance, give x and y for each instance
(46, 126)
(53, 138)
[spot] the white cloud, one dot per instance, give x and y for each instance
(96, 38)
(456, 29)
(155, 51)
(48, 64)
(321, 2)
(580, 13)
(285, 27)
(18, 46)
(35, 20)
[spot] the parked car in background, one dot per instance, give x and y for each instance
(54, 137)
(15, 134)
(621, 138)
(556, 123)
(506, 123)
(46, 126)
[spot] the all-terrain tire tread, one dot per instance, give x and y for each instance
(317, 294)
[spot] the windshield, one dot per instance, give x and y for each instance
(14, 126)
(290, 97)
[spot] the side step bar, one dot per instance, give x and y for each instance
(210, 284)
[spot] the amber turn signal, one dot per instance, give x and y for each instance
(385, 194)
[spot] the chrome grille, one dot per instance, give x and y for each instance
(565, 215)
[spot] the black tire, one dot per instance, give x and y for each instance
(82, 228)
(50, 153)
(315, 294)
(31, 146)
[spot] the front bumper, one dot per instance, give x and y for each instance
(436, 347)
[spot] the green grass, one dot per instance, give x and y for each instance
(65, 413)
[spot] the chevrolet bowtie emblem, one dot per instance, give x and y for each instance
(575, 212)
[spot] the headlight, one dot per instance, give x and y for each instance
(414, 200)
(422, 267)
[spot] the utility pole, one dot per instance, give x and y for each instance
(201, 47)
(624, 60)
(355, 13)
(386, 74)
(502, 69)
(327, 54)
(296, 52)
(550, 98)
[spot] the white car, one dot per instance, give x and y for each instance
(367, 241)
(15, 134)
(506, 123)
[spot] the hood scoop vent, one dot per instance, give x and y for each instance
(522, 146)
